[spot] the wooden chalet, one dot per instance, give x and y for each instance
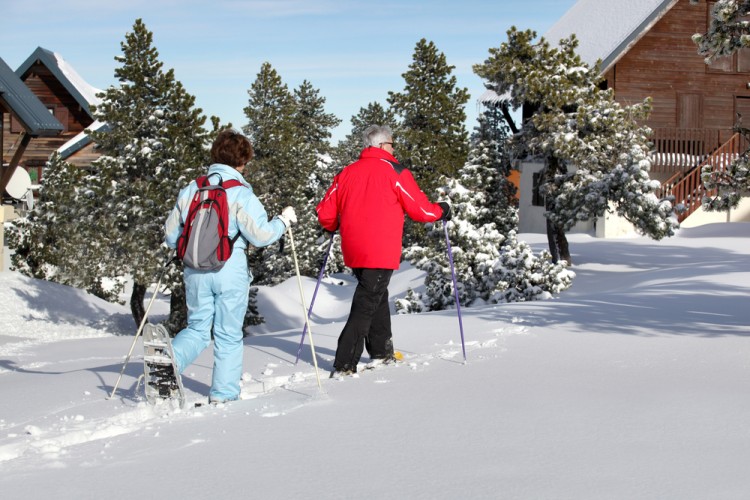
(646, 50)
(30, 118)
(20, 105)
(68, 98)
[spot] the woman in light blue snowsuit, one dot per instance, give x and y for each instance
(219, 298)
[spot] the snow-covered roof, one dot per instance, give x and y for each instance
(606, 29)
(81, 140)
(82, 92)
(489, 96)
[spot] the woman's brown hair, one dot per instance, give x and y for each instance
(231, 148)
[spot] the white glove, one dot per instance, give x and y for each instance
(288, 217)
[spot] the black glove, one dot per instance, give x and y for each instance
(446, 211)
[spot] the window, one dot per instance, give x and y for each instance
(537, 199)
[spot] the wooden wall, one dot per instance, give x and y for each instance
(665, 65)
(66, 109)
(84, 156)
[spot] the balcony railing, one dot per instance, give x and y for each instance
(687, 187)
(681, 149)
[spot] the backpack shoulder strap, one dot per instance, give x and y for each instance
(202, 181)
(231, 183)
(227, 185)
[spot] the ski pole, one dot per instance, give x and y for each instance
(455, 288)
(315, 293)
(304, 309)
(140, 327)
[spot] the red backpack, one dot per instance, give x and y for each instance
(204, 243)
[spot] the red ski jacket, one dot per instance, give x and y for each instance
(366, 203)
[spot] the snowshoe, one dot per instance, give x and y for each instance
(392, 359)
(339, 374)
(162, 380)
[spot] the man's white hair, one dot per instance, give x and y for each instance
(375, 135)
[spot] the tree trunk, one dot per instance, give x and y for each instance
(552, 241)
(562, 244)
(136, 302)
(177, 310)
(558, 243)
(509, 119)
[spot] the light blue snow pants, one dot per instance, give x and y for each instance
(218, 299)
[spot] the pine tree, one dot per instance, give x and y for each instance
(727, 33)
(311, 121)
(490, 267)
(487, 171)
(274, 171)
(410, 304)
(314, 126)
(431, 139)
(252, 315)
(47, 242)
(154, 145)
(272, 130)
(347, 151)
(728, 30)
(595, 151)
(290, 133)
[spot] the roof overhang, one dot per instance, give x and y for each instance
(33, 115)
(65, 74)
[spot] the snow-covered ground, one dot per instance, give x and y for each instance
(635, 383)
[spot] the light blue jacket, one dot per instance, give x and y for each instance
(217, 300)
(246, 213)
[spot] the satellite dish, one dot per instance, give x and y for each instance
(19, 183)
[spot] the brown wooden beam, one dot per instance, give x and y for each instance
(2, 135)
(8, 172)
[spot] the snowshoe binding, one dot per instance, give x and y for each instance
(162, 380)
(396, 358)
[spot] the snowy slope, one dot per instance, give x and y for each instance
(632, 384)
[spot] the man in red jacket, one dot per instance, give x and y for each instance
(366, 204)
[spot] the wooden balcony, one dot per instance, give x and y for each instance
(681, 149)
(687, 186)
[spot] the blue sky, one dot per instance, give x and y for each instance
(354, 52)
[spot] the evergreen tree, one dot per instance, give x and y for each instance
(290, 133)
(487, 171)
(431, 139)
(314, 127)
(728, 30)
(154, 145)
(276, 171)
(311, 121)
(490, 267)
(727, 33)
(47, 242)
(595, 151)
(252, 315)
(347, 151)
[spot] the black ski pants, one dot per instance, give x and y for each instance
(369, 323)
